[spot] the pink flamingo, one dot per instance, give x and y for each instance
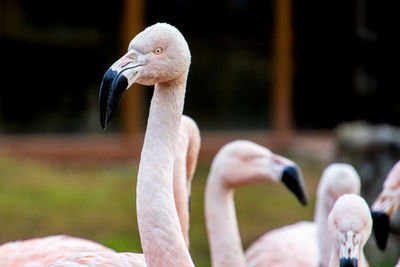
(236, 164)
(350, 226)
(385, 206)
(159, 55)
(306, 243)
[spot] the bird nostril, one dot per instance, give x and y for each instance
(125, 62)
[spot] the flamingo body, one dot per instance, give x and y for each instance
(104, 259)
(41, 251)
(302, 252)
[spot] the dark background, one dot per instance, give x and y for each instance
(54, 55)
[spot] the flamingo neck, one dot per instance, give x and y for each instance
(222, 228)
(161, 236)
(324, 240)
(181, 192)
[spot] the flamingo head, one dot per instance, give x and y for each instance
(350, 226)
(156, 55)
(337, 179)
(243, 162)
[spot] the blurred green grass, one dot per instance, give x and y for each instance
(97, 201)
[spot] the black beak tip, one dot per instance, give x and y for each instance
(112, 88)
(104, 120)
(292, 178)
(348, 262)
(381, 228)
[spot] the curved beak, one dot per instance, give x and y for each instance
(292, 178)
(349, 243)
(381, 228)
(118, 78)
(382, 210)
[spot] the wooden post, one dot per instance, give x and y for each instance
(132, 16)
(283, 76)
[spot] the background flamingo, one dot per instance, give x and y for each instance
(237, 164)
(350, 226)
(306, 243)
(159, 55)
(385, 206)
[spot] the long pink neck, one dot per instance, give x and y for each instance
(222, 228)
(321, 214)
(160, 232)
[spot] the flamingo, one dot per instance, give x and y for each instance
(236, 164)
(350, 226)
(158, 56)
(385, 206)
(306, 243)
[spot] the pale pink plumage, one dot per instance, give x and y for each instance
(236, 164)
(273, 248)
(41, 251)
(306, 243)
(102, 259)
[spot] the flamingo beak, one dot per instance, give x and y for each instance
(382, 210)
(118, 78)
(292, 178)
(349, 243)
(348, 262)
(381, 228)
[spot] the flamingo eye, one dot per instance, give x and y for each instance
(157, 51)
